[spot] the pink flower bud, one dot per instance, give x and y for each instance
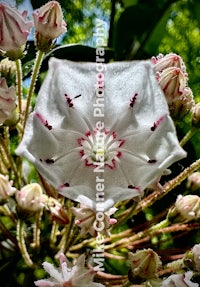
(7, 101)
(162, 62)
(193, 181)
(196, 115)
(172, 81)
(49, 24)
(6, 189)
(171, 74)
(30, 198)
(14, 29)
(186, 208)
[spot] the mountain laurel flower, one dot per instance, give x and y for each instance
(91, 223)
(144, 264)
(14, 30)
(58, 212)
(49, 25)
(6, 188)
(100, 138)
(179, 280)
(186, 208)
(30, 198)
(7, 101)
(68, 275)
(170, 72)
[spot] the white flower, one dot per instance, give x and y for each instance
(100, 137)
(179, 280)
(68, 275)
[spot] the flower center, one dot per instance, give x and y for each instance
(100, 146)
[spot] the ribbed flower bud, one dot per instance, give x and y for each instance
(171, 74)
(196, 116)
(8, 70)
(162, 62)
(193, 181)
(30, 198)
(7, 101)
(144, 265)
(58, 212)
(6, 188)
(14, 30)
(49, 25)
(186, 208)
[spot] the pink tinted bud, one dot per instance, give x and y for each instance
(7, 101)
(49, 24)
(31, 198)
(170, 71)
(193, 181)
(162, 62)
(182, 105)
(172, 81)
(196, 115)
(14, 30)
(186, 208)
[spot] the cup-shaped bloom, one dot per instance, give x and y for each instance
(144, 264)
(6, 188)
(100, 137)
(180, 280)
(7, 101)
(14, 30)
(30, 198)
(49, 24)
(68, 275)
